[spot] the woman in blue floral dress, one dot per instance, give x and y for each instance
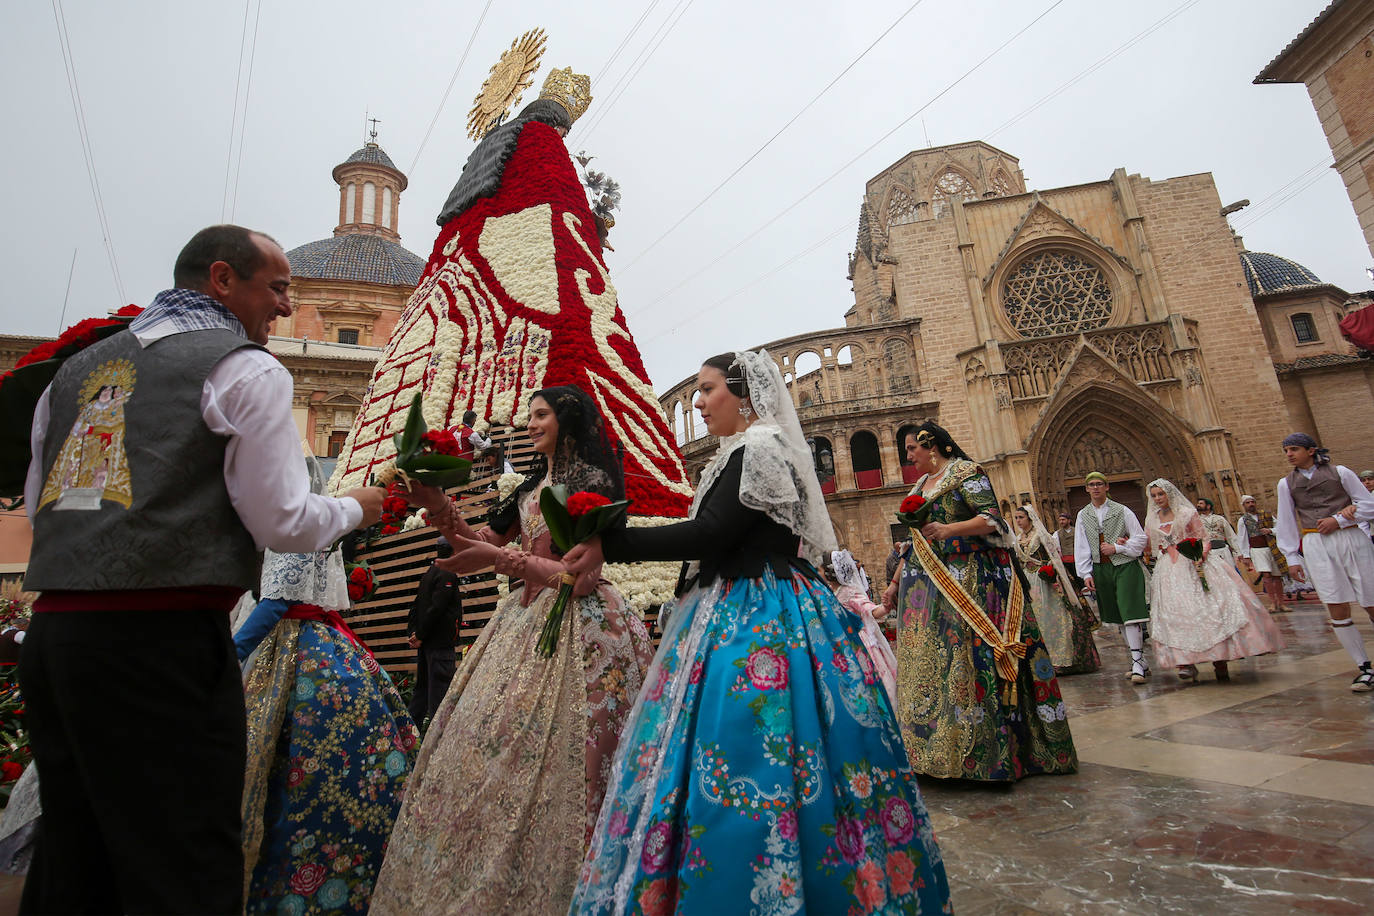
(760, 770)
(977, 696)
(329, 745)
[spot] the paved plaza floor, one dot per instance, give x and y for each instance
(1254, 796)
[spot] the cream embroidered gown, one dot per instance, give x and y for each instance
(511, 775)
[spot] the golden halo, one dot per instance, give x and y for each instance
(118, 373)
(508, 79)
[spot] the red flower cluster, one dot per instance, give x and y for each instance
(1047, 572)
(395, 508)
(913, 503)
(582, 502)
(76, 338)
(442, 442)
(360, 583)
(10, 771)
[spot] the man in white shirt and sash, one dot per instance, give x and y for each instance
(1320, 507)
(165, 459)
(1107, 545)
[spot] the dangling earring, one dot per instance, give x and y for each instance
(744, 409)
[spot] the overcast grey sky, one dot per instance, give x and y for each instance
(712, 81)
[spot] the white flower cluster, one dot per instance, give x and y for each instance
(418, 520)
(508, 482)
(644, 585)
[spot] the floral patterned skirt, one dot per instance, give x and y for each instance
(761, 771)
(324, 788)
(514, 765)
(1066, 626)
(950, 702)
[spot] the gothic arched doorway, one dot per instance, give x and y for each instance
(1118, 431)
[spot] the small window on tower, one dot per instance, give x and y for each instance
(348, 335)
(1304, 328)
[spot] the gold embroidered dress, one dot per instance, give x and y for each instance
(510, 777)
(958, 716)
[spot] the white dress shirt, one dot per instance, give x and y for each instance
(1286, 525)
(247, 398)
(1083, 551)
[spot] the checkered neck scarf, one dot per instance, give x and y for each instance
(176, 310)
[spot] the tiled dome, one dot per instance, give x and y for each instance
(369, 258)
(1269, 274)
(374, 154)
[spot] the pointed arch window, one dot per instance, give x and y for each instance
(901, 208)
(951, 185)
(1001, 185)
(1056, 292)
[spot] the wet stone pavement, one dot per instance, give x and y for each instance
(1252, 796)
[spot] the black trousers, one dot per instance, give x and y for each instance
(433, 673)
(138, 729)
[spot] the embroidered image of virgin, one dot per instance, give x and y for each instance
(93, 464)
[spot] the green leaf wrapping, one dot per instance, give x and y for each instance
(438, 470)
(553, 504)
(409, 443)
(598, 520)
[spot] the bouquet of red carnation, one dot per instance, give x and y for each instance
(572, 518)
(431, 457)
(395, 509)
(912, 512)
(1047, 572)
(21, 387)
(1192, 549)
(361, 582)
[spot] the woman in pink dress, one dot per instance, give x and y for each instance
(1192, 622)
(847, 583)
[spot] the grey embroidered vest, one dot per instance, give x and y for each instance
(133, 480)
(1111, 528)
(1321, 497)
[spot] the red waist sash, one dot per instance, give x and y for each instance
(331, 618)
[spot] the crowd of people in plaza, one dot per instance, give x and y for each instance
(764, 758)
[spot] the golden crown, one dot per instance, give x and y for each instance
(571, 90)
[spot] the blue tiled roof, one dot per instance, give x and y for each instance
(369, 258)
(374, 154)
(1268, 274)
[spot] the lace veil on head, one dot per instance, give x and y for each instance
(1183, 508)
(846, 570)
(1047, 541)
(779, 476)
(307, 578)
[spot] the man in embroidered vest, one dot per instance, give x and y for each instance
(1320, 506)
(165, 458)
(1259, 551)
(1108, 542)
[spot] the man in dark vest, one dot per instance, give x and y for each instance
(1108, 542)
(1320, 506)
(165, 458)
(433, 628)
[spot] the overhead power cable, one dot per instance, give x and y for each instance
(769, 142)
(234, 114)
(243, 121)
(1102, 62)
(87, 151)
(453, 79)
(634, 29)
(665, 28)
(872, 146)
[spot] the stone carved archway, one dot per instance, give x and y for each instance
(1114, 429)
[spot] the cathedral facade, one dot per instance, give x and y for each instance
(1117, 325)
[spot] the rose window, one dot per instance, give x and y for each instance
(951, 185)
(1056, 292)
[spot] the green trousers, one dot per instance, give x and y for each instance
(1121, 592)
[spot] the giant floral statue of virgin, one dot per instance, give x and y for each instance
(516, 297)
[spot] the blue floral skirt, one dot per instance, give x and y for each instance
(761, 770)
(334, 771)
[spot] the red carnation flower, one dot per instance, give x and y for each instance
(355, 591)
(395, 505)
(582, 502)
(1047, 572)
(129, 311)
(389, 529)
(359, 574)
(912, 504)
(441, 442)
(10, 771)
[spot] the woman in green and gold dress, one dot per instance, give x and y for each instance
(976, 692)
